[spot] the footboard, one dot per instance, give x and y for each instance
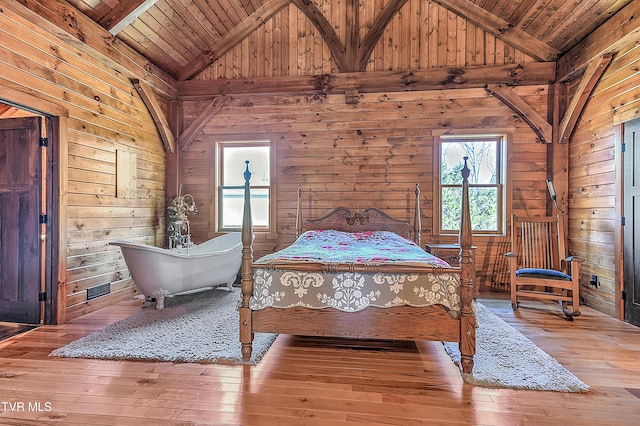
(397, 323)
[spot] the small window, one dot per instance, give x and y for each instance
(231, 166)
(486, 183)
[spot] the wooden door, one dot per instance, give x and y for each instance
(631, 159)
(20, 207)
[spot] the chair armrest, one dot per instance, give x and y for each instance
(512, 260)
(575, 263)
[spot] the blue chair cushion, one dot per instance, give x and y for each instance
(542, 273)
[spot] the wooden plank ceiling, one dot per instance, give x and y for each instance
(184, 37)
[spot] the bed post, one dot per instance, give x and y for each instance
(467, 316)
(246, 333)
(298, 213)
(417, 219)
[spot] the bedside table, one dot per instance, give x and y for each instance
(450, 253)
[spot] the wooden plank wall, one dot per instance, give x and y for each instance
(369, 154)
(105, 115)
(594, 157)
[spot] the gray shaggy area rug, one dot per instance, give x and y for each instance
(197, 327)
(507, 359)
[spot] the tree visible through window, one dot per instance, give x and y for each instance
(231, 166)
(485, 183)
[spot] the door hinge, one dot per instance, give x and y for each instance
(43, 218)
(623, 147)
(44, 141)
(623, 295)
(42, 296)
(622, 221)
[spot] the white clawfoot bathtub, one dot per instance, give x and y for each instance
(160, 273)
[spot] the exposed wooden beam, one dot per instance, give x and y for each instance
(233, 37)
(123, 14)
(372, 82)
(188, 136)
(329, 36)
(351, 56)
(501, 29)
(149, 99)
(622, 29)
(557, 154)
(591, 76)
(538, 123)
(375, 32)
(352, 43)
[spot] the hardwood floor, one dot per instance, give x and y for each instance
(304, 381)
(8, 329)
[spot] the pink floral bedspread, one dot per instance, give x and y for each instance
(329, 246)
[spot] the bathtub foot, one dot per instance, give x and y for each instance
(160, 295)
(230, 285)
(160, 302)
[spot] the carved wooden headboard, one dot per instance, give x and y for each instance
(370, 219)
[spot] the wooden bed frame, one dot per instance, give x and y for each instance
(394, 323)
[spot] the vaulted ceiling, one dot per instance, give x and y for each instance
(185, 37)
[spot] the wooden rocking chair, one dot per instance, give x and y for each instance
(538, 264)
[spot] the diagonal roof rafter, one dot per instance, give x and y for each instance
(233, 37)
(500, 29)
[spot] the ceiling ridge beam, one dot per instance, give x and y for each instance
(530, 73)
(232, 38)
(590, 78)
(538, 123)
(500, 29)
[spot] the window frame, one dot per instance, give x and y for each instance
(502, 179)
(218, 182)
